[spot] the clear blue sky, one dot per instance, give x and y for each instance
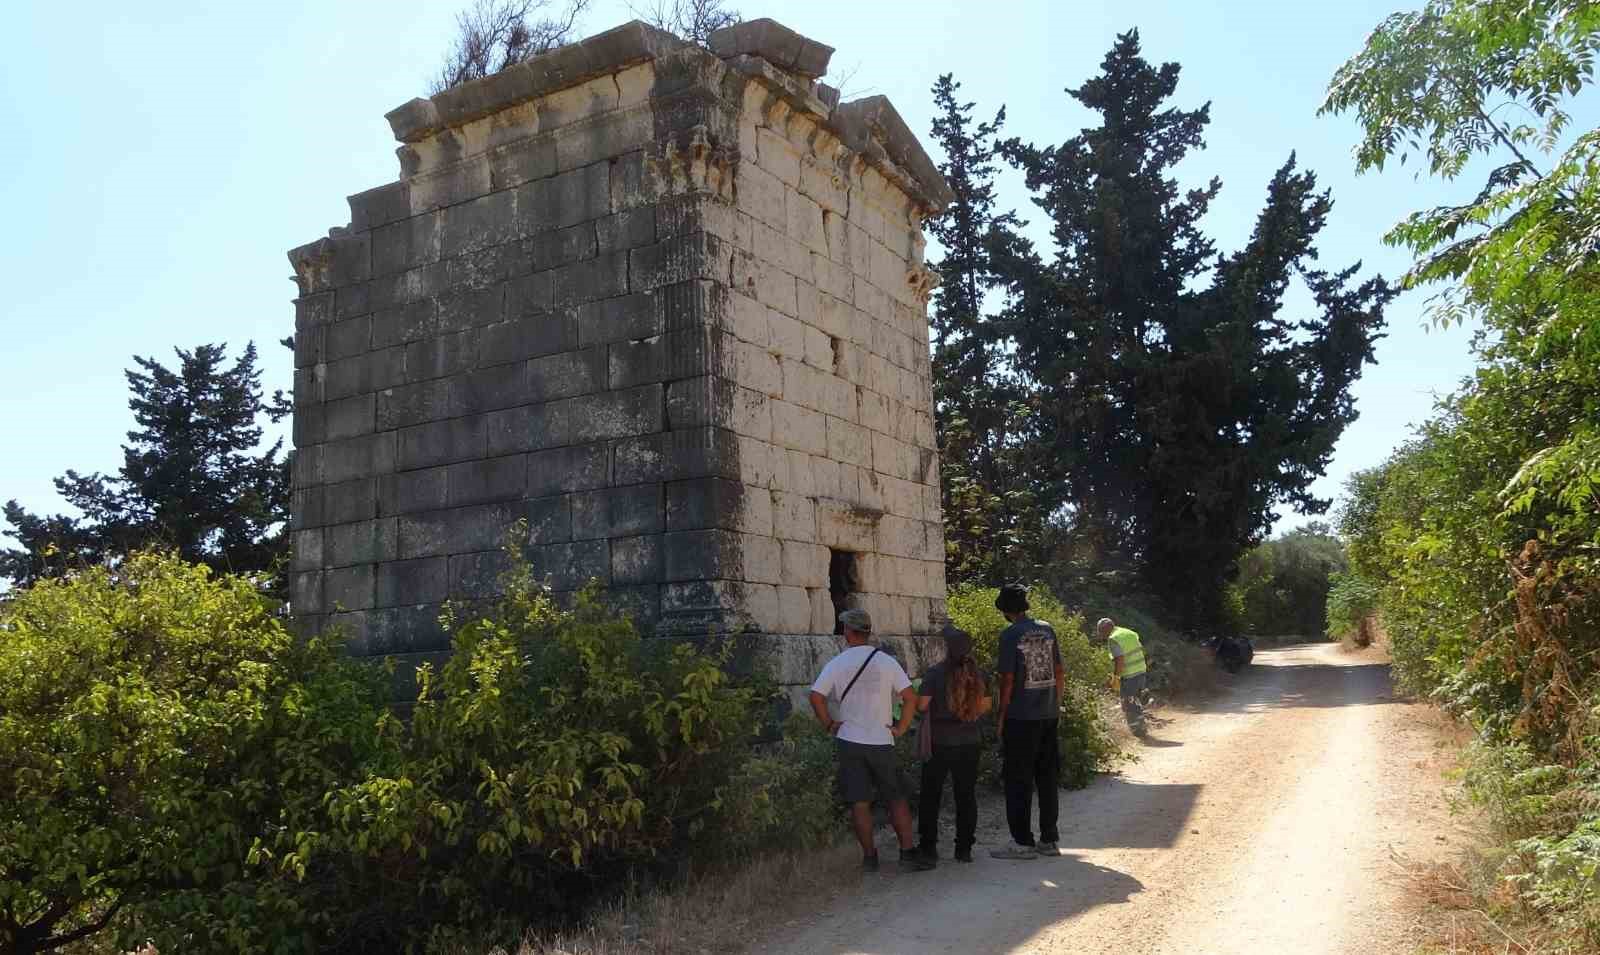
(164, 157)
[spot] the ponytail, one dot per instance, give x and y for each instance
(964, 690)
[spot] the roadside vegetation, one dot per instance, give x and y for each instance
(181, 771)
(1478, 542)
(184, 773)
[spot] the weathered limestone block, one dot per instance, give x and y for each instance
(665, 307)
(775, 43)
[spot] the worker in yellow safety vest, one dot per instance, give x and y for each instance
(1128, 669)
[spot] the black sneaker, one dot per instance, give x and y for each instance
(963, 855)
(913, 861)
(869, 863)
(927, 851)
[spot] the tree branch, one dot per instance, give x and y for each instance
(82, 932)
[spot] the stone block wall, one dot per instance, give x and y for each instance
(663, 304)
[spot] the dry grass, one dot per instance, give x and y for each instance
(1467, 909)
(1465, 906)
(717, 911)
(1371, 636)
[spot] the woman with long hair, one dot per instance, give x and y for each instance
(954, 695)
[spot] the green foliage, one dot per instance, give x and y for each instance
(1283, 584)
(175, 768)
(994, 519)
(1562, 878)
(1351, 603)
(152, 720)
(1131, 398)
(1547, 812)
(555, 753)
(1086, 745)
(783, 797)
(1177, 404)
(193, 479)
(1483, 534)
(971, 608)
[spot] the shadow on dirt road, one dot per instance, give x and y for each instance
(1295, 678)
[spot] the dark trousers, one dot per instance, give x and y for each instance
(961, 764)
(1032, 760)
(1133, 701)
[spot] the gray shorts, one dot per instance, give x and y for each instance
(865, 769)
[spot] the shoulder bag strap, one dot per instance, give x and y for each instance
(851, 685)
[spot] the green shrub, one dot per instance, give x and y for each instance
(1547, 815)
(785, 796)
(153, 718)
(1561, 879)
(971, 608)
(1086, 744)
(1352, 600)
(556, 755)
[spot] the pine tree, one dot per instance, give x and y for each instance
(1177, 405)
(193, 479)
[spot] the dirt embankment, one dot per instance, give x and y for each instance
(1265, 820)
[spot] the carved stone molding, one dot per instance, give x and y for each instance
(701, 168)
(313, 264)
(923, 281)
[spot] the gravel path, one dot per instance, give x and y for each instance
(1266, 820)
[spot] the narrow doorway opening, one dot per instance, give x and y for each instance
(842, 583)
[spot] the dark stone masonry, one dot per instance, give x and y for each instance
(666, 305)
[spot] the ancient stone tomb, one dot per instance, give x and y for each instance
(666, 305)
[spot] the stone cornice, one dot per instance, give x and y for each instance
(873, 128)
(775, 43)
(608, 52)
(870, 127)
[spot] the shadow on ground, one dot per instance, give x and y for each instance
(1155, 742)
(956, 899)
(1284, 679)
(1161, 811)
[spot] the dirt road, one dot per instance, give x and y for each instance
(1264, 821)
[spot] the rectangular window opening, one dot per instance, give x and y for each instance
(842, 583)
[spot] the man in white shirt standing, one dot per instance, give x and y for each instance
(862, 683)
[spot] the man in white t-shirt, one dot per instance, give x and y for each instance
(861, 684)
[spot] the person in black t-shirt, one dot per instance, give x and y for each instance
(1031, 683)
(954, 695)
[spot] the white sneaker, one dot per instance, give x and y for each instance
(1047, 849)
(1012, 850)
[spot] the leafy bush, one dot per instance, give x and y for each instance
(1549, 815)
(1562, 879)
(785, 796)
(152, 719)
(555, 755)
(1352, 601)
(177, 768)
(1483, 532)
(1086, 745)
(1283, 583)
(971, 608)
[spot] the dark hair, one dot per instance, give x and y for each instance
(1013, 598)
